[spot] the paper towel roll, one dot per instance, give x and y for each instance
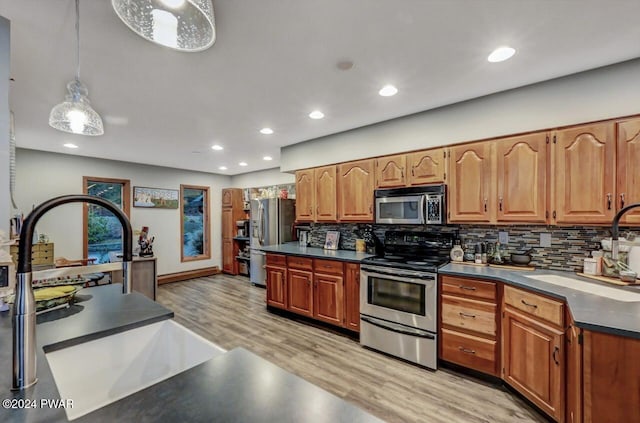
(634, 259)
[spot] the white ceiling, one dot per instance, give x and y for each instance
(274, 61)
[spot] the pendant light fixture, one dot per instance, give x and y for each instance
(75, 114)
(184, 25)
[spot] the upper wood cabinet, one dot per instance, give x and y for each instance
(470, 184)
(426, 167)
(390, 171)
(305, 195)
(232, 197)
(325, 195)
(355, 191)
(522, 178)
(629, 168)
(584, 175)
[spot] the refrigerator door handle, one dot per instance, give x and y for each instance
(260, 224)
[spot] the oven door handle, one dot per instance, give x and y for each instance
(395, 328)
(397, 275)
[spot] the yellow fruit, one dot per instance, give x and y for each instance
(66, 288)
(48, 293)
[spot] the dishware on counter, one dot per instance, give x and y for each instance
(522, 259)
(457, 253)
(361, 245)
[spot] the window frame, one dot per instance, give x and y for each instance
(126, 205)
(206, 232)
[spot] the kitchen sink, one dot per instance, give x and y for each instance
(99, 372)
(618, 294)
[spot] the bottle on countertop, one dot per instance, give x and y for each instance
(483, 252)
(497, 255)
(478, 254)
(457, 253)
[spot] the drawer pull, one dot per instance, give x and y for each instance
(466, 350)
(556, 350)
(528, 304)
(473, 316)
(468, 288)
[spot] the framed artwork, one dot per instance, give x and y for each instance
(155, 198)
(331, 241)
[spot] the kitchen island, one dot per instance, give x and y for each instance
(234, 386)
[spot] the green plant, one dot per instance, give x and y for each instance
(98, 228)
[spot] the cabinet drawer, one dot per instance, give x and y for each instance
(535, 305)
(331, 267)
(276, 260)
(469, 314)
(42, 260)
(44, 247)
(469, 287)
(469, 351)
(303, 263)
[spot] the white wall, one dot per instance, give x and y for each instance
(42, 175)
(262, 178)
(603, 93)
(5, 199)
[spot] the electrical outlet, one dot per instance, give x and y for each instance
(503, 237)
(545, 239)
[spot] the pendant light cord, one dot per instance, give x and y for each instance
(78, 39)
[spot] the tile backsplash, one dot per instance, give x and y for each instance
(569, 244)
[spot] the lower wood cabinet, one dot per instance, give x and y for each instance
(300, 291)
(276, 286)
(533, 361)
(326, 290)
(574, 372)
(469, 351)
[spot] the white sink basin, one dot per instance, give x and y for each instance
(591, 288)
(97, 373)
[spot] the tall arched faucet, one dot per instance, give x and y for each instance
(614, 228)
(24, 308)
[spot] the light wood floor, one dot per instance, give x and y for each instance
(231, 312)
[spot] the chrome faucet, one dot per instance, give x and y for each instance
(614, 229)
(23, 317)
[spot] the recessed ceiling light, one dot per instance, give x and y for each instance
(266, 131)
(70, 145)
(267, 158)
(173, 3)
(388, 91)
(344, 65)
(243, 163)
(217, 147)
(316, 114)
(222, 168)
(501, 54)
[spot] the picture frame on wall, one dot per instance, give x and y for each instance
(156, 198)
(331, 241)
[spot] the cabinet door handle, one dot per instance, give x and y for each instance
(529, 304)
(466, 350)
(473, 316)
(317, 210)
(413, 171)
(622, 200)
(608, 201)
(556, 350)
(485, 204)
(499, 204)
(467, 288)
(402, 173)
(370, 208)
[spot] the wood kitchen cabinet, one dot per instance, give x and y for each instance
(471, 183)
(427, 167)
(305, 196)
(328, 302)
(232, 210)
(521, 164)
(533, 350)
(611, 378)
(469, 324)
(574, 372)
(276, 281)
(352, 296)
(628, 181)
(355, 191)
(584, 174)
(300, 291)
(390, 171)
(325, 194)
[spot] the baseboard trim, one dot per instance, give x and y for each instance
(189, 274)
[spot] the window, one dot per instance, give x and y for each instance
(194, 223)
(102, 231)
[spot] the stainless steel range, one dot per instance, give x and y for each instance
(398, 296)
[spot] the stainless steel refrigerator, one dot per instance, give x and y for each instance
(271, 224)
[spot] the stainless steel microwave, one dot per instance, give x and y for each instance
(423, 205)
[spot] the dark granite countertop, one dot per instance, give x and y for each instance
(293, 249)
(590, 311)
(237, 386)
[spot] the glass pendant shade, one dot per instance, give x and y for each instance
(75, 114)
(185, 25)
